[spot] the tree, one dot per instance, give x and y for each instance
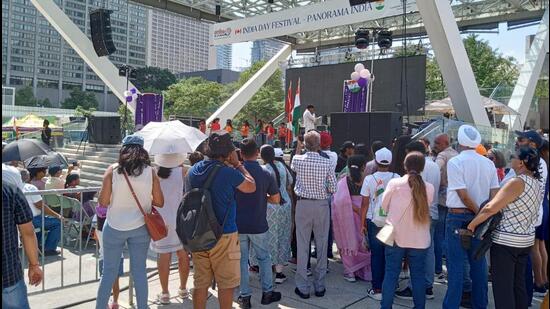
(45, 103)
(125, 112)
(81, 98)
(25, 97)
(153, 79)
(81, 111)
(194, 96)
(268, 102)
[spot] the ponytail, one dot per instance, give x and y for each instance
(414, 164)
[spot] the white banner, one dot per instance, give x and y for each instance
(317, 16)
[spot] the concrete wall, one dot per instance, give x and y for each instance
(107, 102)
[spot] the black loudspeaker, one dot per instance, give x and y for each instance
(100, 24)
(365, 128)
(104, 130)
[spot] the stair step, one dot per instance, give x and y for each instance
(75, 145)
(91, 176)
(95, 164)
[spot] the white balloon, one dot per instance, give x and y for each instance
(135, 96)
(359, 67)
(355, 76)
(364, 73)
(127, 93)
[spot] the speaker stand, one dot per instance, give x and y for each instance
(86, 137)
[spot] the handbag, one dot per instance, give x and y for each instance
(153, 221)
(387, 233)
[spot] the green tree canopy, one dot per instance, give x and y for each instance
(153, 79)
(86, 100)
(25, 97)
(194, 96)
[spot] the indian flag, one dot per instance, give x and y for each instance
(296, 115)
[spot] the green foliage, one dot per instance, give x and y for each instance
(25, 97)
(46, 103)
(542, 89)
(268, 102)
(194, 96)
(85, 112)
(86, 100)
(129, 124)
(153, 79)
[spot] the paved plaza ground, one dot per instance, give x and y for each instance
(340, 293)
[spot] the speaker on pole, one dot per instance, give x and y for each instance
(100, 24)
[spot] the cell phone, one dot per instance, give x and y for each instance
(238, 151)
(75, 163)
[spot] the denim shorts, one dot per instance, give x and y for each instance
(15, 296)
(120, 267)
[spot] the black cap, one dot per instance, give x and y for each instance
(531, 135)
(220, 144)
(346, 145)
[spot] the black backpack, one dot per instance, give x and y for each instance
(196, 223)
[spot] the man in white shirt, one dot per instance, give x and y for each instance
(472, 180)
(52, 220)
(11, 175)
(309, 118)
(372, 191)
(430, 174)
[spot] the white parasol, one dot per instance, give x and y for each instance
(170, 137)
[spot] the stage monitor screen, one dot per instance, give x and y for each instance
(323, 85)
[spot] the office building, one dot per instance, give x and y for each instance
(176, 42)
(221, 76)
(224, 55)
(34, 53)
(264, 49)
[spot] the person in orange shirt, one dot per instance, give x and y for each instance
(245, 129)
(229, 126)
(202, 126)
(283, 132)
(215, 125)
(270, 133)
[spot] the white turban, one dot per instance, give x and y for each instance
(468, 136)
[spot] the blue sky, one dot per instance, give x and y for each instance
(509, 43)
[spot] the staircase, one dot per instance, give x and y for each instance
(93, 162)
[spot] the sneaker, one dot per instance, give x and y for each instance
(430, 293)
(350, 278)
(320, 293)
(441, 278)
(164, 298)
(375, 294)
(183, 293)
(270, 297)
(466, 301)
(404, 294)
(244, 302)
(299, 293)
(280, 278)
(404, 275)
(539, 291)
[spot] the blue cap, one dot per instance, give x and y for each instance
(531, 135)
(133, 140)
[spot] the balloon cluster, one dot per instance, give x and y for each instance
(131, 95)
(361, 75)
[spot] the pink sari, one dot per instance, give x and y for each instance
(346, 225)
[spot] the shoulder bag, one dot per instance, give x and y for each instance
(153, 221)
(387, 233)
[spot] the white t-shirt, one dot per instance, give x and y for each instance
(32, 199)
(473, 172)
(333, 158)
(543, 170)
(432, 174)
(12, 175)
(373, 187)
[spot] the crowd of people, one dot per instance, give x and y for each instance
(413, 209)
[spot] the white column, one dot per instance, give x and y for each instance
(523, 93)
(453, 61)
(238, 100)
(102, 66)
(212, 57)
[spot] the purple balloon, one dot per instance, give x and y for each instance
(362, 82)
(133, 90)
(129, 98)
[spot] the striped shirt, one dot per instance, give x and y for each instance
(517, 227)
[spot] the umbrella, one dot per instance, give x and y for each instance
(24, 149)
(47, 160)
(170, 137)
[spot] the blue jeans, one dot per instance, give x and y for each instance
(260, 244)
(456, 265)
(430, 259)
(113, 243)
(417, 261)
(15, 296)
(53, 227)
(377, 256)
(439, 239)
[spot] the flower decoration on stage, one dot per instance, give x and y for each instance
(359, 67)
(361, 76)
(355, 76)
(362, 82)
(131, 95)
(353, 86)
(133, 91)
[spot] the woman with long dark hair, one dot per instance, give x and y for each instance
(125, 223)
(346, 221)
(398, 153)
(519, 201)
(406, 201)
(171, 173)
(498, 159)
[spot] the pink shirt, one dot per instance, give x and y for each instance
(396, 200)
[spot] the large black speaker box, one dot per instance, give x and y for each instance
(104, 130)
(100, 26)
(365, 128)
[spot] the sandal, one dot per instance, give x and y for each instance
(183, 293)
(164, 298)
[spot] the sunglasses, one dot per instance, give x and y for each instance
(492, 158)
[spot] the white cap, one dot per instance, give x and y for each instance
(468, 136)
(169, 160)
(383, 156)
(279, 153)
